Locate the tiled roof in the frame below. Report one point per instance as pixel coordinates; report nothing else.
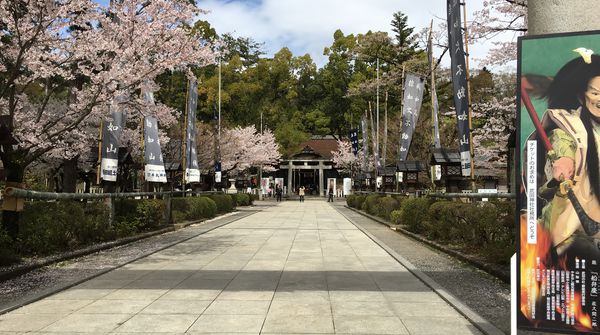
(445, 156)
(410, 166)
(322, 147)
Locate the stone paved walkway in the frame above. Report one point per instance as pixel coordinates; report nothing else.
(295, 268)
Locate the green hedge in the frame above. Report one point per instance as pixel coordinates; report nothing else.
(47, 227)
(224, 202)
(133, 215)
(243, 199)
(414, 213)
(485, 228)
(192, 208)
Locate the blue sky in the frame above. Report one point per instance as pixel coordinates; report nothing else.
(307, 26)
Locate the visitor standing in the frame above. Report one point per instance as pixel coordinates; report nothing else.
(301, 193)
(278, 192)
(330, 193)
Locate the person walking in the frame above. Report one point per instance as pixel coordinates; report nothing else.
(301, 193)
(278, 192)
(330, 193)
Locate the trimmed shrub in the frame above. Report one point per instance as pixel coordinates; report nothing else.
(359, 201)
(48, 227)
(8, 254)
(208, 208)
(243, 199)
(386, 206)
(443, 220)
(133, 216)
(350, 200)
(223, 201)
(234, 199)
(253, 197)
(395, 217)
(192, 208)
(371, 204)
(413, 213)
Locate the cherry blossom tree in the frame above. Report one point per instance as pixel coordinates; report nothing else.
(506, 17)
(490, 140)
(62, 62)
(344, 159)
(241, 148)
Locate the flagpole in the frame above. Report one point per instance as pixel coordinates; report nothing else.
(433, 116)
(385, 129)
(184, 142)
(469, 95)
(100, 153)
(377, 109)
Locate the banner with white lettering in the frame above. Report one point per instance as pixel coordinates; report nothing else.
(413, 95)
(365, 142)
(111, 133)
(154, 170)
(354, 140)
(459, 84)
(192, 171)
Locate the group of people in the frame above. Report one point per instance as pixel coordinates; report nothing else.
(301, 193)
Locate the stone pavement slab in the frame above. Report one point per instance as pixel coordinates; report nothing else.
(294, 268)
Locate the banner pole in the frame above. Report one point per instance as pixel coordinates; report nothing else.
(185, 134)
(100, 153)
(469, 95)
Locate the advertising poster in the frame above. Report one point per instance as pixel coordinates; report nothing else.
(558, 210)
(264, 186)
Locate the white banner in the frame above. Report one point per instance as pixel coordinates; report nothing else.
(109, 168)
(347, 186)
(155, 173)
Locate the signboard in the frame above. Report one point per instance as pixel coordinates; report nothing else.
(264, 186)
(558, 213)
(347, 186)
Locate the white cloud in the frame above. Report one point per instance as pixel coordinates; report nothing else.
(307, 26)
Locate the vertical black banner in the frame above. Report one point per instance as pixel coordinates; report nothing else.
(354, 140)
(413, 95)
(192, 171)
(365, 141)
(111, 133)
(459, 84)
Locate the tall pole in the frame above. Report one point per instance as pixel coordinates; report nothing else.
(385, 129)
(377, 109)
(260, 195)
(219, 129)
(184, 142)
(469, 93)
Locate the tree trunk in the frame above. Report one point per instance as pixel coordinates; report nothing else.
(70, 175)
(14, 178)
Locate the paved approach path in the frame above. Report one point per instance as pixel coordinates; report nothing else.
(295, 268)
